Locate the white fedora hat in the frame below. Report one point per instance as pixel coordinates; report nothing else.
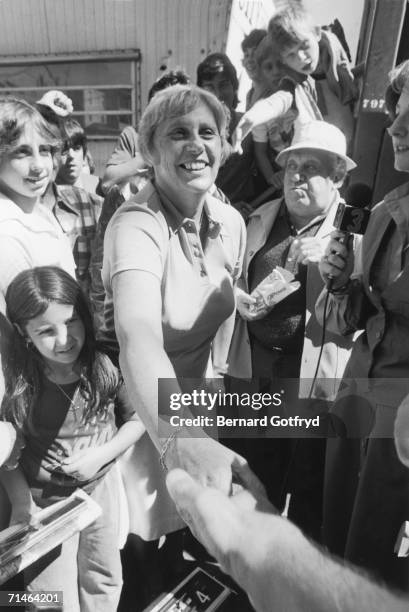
(318, 135)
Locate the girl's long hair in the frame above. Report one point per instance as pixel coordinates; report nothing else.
(27, 297)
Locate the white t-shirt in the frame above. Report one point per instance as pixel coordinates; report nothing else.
(28, 240)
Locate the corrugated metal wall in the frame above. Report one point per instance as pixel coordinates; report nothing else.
(168, 32)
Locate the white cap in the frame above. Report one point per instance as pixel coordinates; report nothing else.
(58, 102)
(321, 136)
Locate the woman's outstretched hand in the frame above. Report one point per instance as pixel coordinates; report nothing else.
(212, 465)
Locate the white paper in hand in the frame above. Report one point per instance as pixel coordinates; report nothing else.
(275, 287)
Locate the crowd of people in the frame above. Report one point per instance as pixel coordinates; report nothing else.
(118, 291)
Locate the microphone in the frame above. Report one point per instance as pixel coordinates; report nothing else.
(352, 216)
(359, 195)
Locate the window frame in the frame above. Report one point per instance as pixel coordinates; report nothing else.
(133, 56)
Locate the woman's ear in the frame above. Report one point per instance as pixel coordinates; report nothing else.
(18, 329)
(23, 335)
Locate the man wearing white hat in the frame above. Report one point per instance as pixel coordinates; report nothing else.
(284, 343)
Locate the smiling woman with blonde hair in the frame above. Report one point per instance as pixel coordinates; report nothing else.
(172, 256)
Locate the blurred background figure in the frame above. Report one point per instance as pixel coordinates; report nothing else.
(126, 168)
(248, 46)
(238, 177)
(76, 166)
(218, 75)
(337, 89)
(76, 210)
(269, 138)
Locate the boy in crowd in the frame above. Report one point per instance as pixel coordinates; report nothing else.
(76, 210)
(74, 169)
(295, 41)
(217, 74)
(238, 177)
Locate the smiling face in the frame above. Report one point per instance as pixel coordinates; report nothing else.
(399, 131)
(302, 56)
(186, 153)
(58, 334)
(309, 187)
(250, 64)
(26, 171)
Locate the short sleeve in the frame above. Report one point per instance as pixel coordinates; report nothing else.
(134, 240)
(124, 411)
(260, 132)
(126, 149)
(270, 108)
(119, 402)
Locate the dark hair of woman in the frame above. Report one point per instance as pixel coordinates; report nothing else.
(28, 296)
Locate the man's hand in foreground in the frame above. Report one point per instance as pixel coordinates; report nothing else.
(270, 558)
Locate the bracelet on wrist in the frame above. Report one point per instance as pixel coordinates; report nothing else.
(165, 449)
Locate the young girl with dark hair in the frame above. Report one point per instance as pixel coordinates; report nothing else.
(61, 393)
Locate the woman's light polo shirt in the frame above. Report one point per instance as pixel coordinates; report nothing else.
(149, 233)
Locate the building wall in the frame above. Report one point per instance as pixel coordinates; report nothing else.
(169, 33)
